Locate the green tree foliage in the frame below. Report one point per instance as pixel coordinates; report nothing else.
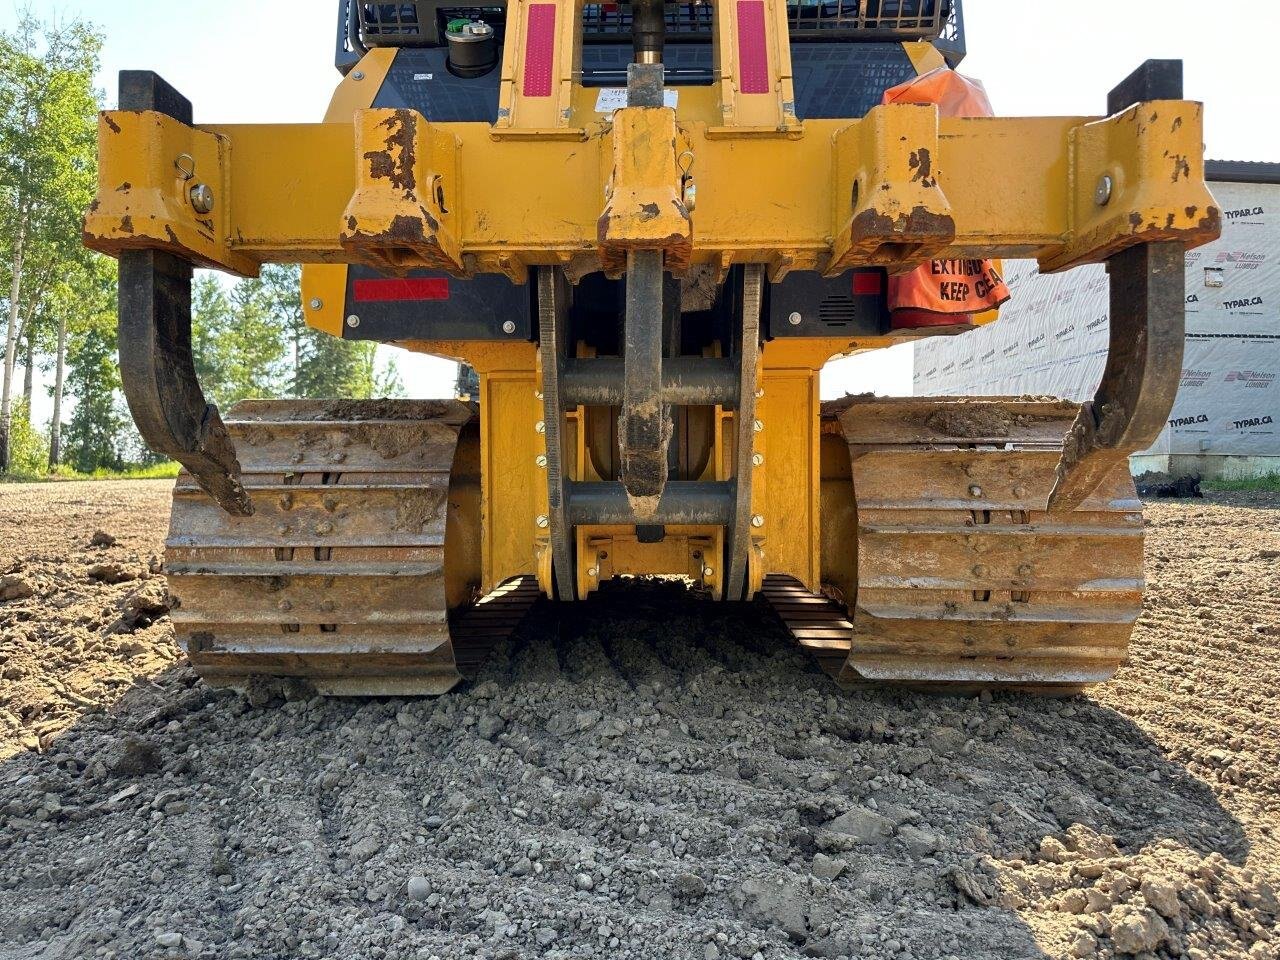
(48, 109)
(28, 446)
(237, 343)
(97, 436)
(252, 341)
(57, 300)
(83, 298)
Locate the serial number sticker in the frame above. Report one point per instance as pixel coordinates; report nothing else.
(615, 98)
(424, 76)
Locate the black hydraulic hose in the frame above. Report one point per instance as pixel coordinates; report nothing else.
(353, 27)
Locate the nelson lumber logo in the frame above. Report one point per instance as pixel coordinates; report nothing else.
(1250, 378)
(1242, 259)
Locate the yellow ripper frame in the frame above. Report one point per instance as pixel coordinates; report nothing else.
(895, 188)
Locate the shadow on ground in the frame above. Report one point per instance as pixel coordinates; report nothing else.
(648, 780)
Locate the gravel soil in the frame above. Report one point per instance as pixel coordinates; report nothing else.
(650, 779)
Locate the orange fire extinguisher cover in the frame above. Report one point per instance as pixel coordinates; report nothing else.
(945, 292)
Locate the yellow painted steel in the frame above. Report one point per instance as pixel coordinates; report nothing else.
(924, 56)
(324, 293)
(644, 209)
(771, 113)
(522, 115)
(401, 215)
(514, 485)
(515, 488)
(785, 491)
(324, 286)
(896, 211)
(606, 552)
(1150, 181)
(360, 86)
(1015, 188)
(148, 166)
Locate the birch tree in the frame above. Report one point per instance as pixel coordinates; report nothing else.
(48, 133)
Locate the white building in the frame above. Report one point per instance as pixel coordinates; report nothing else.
(1051, 339)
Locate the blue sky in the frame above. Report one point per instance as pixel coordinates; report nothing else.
(271, 60)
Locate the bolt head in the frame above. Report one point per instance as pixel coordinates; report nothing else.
(979, 570)
(202, 198)
(316, 303)
(757, 458)
(1019, 492)
(285, 605)
(353, 321)
(757, 521)
(593, 571)
(540, 426)
(324, 528)
(795, 319)
(541, 460)
(1025, 570)
(509, 327)
(707, 572)
(975, 491)
(544, 522)
(357, 75)
(758, 425)
(1102, 192)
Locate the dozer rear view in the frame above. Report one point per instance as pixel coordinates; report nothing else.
(647, 227)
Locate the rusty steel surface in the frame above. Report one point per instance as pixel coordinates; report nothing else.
(340, 575)
(896, 187)
(1144, 366)
(963, 576)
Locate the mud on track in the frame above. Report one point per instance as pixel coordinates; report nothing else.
(645, 781)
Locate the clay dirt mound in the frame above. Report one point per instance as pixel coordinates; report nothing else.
(643, 780)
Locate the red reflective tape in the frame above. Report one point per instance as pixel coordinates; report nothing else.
(867, 284)
(539, 49)
(391, 289)
(753, 51)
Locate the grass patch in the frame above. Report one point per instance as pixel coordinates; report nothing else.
(1269, 482)
(155, 471)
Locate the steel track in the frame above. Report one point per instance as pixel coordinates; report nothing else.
(339, 575)
(964, 578)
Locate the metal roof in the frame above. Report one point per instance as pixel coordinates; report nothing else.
(1241, 171)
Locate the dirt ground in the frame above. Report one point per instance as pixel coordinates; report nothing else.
(647, 783)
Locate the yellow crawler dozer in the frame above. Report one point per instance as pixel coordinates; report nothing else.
(647, 227)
